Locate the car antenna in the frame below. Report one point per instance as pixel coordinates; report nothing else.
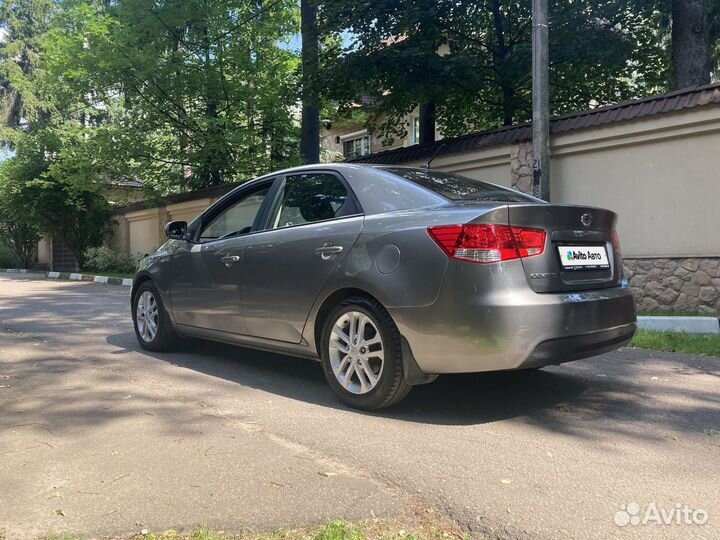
(429, 161)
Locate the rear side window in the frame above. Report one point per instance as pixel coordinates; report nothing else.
(310, 197)
(456, 187)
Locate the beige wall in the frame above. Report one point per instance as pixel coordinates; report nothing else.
(144, 229)
(141, 231)
(44, 252)
(661, 175)
(188, 211)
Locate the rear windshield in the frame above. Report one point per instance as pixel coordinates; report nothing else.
(459, 188)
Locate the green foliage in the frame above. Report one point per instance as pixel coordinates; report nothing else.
(473, 59)
(104, 259)
(714, 17)
(25, 22)
(180, 95)
(7, 257)
(21, 239)
(50, 187)
(183, 94)
(18, 232)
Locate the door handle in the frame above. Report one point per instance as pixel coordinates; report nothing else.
(230, 260)
(328, 250)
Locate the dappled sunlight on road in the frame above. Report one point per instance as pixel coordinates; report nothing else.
(86, 410)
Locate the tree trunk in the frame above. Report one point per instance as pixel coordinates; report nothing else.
(214, 154)
(690, 43)
(500, 54)
(427, 123)
(310, 127)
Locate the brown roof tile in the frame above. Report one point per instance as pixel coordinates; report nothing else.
(621, 112)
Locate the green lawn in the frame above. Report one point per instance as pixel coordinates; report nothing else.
(428, 527)
(681, 342)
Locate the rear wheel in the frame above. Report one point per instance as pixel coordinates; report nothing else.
(153, 328)
(361, 355)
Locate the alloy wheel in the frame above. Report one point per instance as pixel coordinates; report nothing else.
(356, 352)
(147, 316)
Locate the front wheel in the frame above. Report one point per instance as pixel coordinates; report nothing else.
(361, 355)
(153, 328)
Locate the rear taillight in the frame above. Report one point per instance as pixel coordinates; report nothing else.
(484, 243)
(616, 242)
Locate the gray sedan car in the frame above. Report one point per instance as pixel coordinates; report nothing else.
(389, 276)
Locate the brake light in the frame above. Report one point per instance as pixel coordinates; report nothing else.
(484, 243)
(616, 242)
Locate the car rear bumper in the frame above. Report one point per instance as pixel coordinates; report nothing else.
(470, 330)
(567, 349)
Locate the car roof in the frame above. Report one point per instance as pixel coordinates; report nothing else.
(370, 184)
(332, 166)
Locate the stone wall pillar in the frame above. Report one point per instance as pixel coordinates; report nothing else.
(521, 167)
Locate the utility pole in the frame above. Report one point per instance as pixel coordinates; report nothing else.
(310, 123)
(541, 100)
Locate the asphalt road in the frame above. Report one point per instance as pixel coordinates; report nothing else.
(100, 437)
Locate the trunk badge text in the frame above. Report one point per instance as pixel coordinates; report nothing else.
(586, 219)
(543, 275)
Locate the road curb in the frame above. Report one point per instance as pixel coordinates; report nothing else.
(691, 325)
(73, 276)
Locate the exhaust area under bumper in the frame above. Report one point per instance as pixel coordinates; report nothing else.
(566, 349)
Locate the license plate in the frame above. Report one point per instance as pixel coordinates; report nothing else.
(583, 257)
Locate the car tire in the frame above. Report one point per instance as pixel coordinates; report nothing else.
(363, 363)
(153, 328)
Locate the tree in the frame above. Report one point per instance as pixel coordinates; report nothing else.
(49, 186)
(310, 128)
(473, 59)
(16, 230)
(24, 23)
(691, 50)
(201, 92)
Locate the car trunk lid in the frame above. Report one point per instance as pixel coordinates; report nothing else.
(579, 251)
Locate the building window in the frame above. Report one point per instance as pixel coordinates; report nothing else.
(355, 148)
(415, 132)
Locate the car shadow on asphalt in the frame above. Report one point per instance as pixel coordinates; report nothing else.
(451, 400)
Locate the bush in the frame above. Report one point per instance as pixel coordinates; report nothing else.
(104, 259)
(7, 259)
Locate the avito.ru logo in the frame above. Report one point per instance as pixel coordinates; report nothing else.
(632, 514)
(583, 256)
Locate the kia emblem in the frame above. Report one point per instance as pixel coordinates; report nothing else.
(586, 219)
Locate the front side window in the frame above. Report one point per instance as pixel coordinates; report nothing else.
(306, 198)
(237, 219)
(356, 147)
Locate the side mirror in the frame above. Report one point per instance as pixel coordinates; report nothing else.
(176, 230)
